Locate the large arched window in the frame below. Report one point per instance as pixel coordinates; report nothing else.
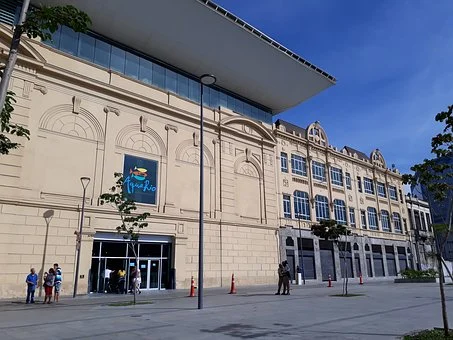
(385, 220)
(372, 218)
(340, 211)
(301, 205)
(322, 208)
(397, 222)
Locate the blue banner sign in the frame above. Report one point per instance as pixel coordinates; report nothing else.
(140, 179)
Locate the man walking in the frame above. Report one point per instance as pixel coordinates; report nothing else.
(32, 282)
(286, 277)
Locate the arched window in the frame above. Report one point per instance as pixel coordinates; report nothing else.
(340, 211)
(322, 208)
(289, 241)
(385, 220)
(397, 222)
(301, 205)
(372, 218)
(356, 246)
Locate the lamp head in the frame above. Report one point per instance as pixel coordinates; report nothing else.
(85, 181)
(208, 79)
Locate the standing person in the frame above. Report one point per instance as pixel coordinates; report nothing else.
(121, 280)
(286, 277)
(138, 280)
(107, 273)
(32, 282)
(132, 280)
(58, 280)
(49, 281)
(280, 278)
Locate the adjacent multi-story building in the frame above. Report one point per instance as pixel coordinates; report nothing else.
(125, 97)
(421, 232)
(317, 181)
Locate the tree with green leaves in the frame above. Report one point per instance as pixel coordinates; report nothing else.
(131, 223)
(38, 22)
(330, 230)
(436, 176)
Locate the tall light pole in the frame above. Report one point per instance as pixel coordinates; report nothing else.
(85, 181)
(205, 79)
(301, 262)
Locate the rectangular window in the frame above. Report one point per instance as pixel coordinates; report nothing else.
(214, 100)
(381, 189)
(146, 71)
(348, 180)
(322, 208)
(194, 91)
(340, 211)
(417, 220)
(372, 218)
(336, 176)
(397, 222)
(368, 185)
(132, 65)
(69, 40)
(319, 171)
(352, 217)
(359, 183)
(385, 220)
(284, 162)
(86, 47)
(428, 221)
(117, 59)
(287, 206)
(223, 100)
(183, 86)
(171, 82)
(301, 205)
(298, 165)
(422, 217)
(102, 53)
(401, 196)
(392, 193)
(363, 219)
(158, 76)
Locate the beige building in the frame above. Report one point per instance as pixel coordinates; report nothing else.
(121, 101)
(318, 181)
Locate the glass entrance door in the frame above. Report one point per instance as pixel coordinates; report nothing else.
(154, 274)
(144, 268)
(150, 273)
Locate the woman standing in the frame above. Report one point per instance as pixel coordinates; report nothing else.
(280, 278)
(49, 281)
(286, 277)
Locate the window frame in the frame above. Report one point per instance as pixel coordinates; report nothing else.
(347, 178)
(287, 206)
(385, 221)
(284, 162)
(351, 212)
(298, 165)
(336, 176)
(339, 208)
(319, 171)
(397, 223)
(359, 184)
(322, 208)
(301, 205)
(391, 190)
(372, 217)
(368, 186)
(381, 190)
(363, 220)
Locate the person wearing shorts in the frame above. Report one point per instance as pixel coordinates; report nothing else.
(58, 280)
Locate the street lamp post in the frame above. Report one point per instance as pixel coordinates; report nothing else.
(301, 262)
(205, 79)
(85, 181)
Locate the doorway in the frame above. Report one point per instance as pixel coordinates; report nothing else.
(151, 273)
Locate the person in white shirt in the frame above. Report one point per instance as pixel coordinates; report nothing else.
(106, 279)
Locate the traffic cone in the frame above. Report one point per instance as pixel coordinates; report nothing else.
(360, 279)
(233, 286)
(329, 282)
(192, 288)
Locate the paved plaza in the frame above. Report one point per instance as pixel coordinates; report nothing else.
(386, 311)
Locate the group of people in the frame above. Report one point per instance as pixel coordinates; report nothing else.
(115, 281)
(284, 277)
(51, 282)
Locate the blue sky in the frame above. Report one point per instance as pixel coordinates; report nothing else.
(393, 60)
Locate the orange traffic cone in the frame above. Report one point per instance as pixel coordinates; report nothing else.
(360, 279)
(192, 288)
(329, 282)
(233, 286)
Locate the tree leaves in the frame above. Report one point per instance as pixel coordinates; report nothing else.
(330, 230)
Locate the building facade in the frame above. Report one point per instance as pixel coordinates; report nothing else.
(95, 106)
(317, 181)
(421, 232)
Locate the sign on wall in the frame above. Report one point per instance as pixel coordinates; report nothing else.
(140, 179)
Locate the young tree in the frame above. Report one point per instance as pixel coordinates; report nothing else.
(330, 230)
(131, 223)
(39, 22)
(437, 176)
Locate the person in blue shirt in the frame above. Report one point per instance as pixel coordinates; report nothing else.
(32, 282)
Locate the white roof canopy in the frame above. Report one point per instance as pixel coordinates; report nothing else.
(199, 37)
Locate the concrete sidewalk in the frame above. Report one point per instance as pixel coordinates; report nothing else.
(385, 311)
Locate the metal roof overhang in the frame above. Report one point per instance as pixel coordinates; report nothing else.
(199, 37)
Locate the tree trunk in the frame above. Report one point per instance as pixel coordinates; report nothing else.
(135, 279)
(442, 295)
